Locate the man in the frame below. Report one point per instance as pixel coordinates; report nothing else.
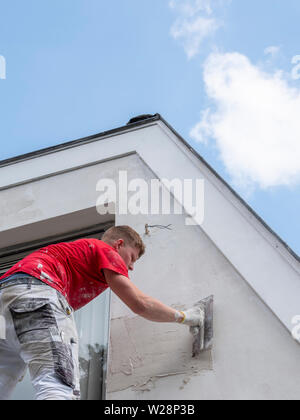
(39, 295)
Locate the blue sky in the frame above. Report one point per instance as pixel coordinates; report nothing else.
(219, 71)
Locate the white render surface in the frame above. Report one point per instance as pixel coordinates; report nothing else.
(254, 356)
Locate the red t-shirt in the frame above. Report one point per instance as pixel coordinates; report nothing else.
(73, 268)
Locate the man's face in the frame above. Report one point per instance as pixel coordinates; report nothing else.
(129, 254)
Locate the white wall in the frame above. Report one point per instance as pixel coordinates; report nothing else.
(254, 356)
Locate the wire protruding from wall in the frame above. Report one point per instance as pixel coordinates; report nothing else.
(148, 227)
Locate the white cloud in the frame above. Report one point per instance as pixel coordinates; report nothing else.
(195, 22)
(272, 51)
(193, 32)
(255, 122)
(191, 7)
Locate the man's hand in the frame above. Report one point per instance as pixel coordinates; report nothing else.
(194, 317)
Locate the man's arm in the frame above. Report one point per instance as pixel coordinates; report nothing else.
(140, 303)
(148, 307)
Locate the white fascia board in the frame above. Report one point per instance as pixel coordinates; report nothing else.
(250, 247)
(72, 157)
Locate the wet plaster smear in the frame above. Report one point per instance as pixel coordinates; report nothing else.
(142, 352)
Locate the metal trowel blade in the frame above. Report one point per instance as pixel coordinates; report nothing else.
(203, 338)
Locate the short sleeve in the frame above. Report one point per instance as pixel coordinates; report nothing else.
(108, 258)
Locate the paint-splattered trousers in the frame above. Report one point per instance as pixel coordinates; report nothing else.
(37, 330)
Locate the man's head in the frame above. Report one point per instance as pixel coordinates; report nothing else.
(127, 242)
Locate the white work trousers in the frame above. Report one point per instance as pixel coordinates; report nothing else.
(37, 330)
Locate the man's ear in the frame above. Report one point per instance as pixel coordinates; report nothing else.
(120, 243)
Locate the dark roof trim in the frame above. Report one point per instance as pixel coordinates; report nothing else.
(137, 124)
(77, 142)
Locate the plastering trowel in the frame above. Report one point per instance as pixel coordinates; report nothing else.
(203, 336)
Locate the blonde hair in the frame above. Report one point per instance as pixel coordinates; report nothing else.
(129, 235)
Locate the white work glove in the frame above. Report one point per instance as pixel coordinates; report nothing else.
(193, 317)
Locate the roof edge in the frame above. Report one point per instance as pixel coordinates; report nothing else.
(56, 148)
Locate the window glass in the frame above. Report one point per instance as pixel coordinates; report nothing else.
(92, 324)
